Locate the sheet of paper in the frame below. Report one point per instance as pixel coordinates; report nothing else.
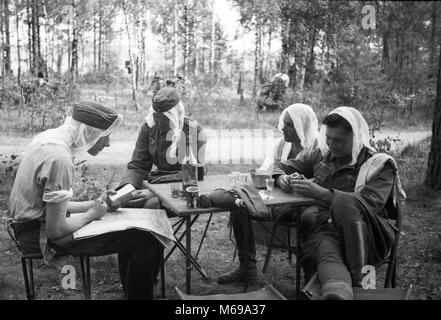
(153, 220)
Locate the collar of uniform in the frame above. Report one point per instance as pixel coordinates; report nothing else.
(362, 157)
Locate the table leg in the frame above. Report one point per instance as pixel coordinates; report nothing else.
(181, 236)
(198, 267)
(203, 236)
(178, 244)
(299, 251)
(188, 255)
(245, 241)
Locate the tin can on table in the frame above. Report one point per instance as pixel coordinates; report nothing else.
(192, 197)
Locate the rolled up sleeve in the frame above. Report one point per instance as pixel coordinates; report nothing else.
(56, 178)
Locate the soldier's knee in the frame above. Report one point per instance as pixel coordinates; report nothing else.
(343, 208)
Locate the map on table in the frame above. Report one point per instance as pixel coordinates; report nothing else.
(151, 220)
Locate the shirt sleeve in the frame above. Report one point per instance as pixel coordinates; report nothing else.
(56, 179)
(142, 161)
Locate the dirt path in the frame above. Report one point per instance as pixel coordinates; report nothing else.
(220, 147)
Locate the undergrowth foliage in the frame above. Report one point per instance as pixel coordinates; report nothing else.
(36, 105)
(8, 171)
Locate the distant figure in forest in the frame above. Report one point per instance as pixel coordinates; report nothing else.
(182, 85)
(157, 83)
(272, 96)
(42, 69)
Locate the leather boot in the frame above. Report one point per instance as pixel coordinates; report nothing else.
(336, 290)
(238, 218)
(356, 249)
(238, 275)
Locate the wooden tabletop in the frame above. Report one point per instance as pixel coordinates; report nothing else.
(210, 183)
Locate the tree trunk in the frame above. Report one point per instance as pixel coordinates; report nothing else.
(186, 36)
(285, 46)
(433, 37)
(256, 59)
(193, 42)
(7, 41)
(213, 41)
(261, 80)
(175, 38)
(94, 43)
(53, 46)
(293, 56)
(269, 60)
(46, 35)
(131, 59)
(2, 63)
(142, 52)
(18, 47)
(309, 72)
(196, 47)
(301, 65)
(433, 176)
(29, 26)
(100, 36)
(74, 56)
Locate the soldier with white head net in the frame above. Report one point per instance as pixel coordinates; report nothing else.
(300, 121)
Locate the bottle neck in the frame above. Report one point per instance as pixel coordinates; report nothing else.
(189, 156)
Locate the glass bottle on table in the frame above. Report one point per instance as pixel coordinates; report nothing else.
(189, 167)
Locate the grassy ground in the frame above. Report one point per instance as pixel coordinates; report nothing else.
(419, 250)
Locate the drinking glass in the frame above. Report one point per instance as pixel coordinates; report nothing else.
(232, 180)
(174, 189)
(269, 185)
(236, 177)
(243, 179)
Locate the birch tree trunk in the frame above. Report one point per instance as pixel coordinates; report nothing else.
(74, 56)
(94, 43)
(7, 41)
(175, 38)
(213, 41)
(18, 45)
(256, 57)
(186, 38)
(131, 59)
(2, 44)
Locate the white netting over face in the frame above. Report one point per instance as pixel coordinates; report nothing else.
(176, 116)
(305, 123)
(76, 136)
(360, 131)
